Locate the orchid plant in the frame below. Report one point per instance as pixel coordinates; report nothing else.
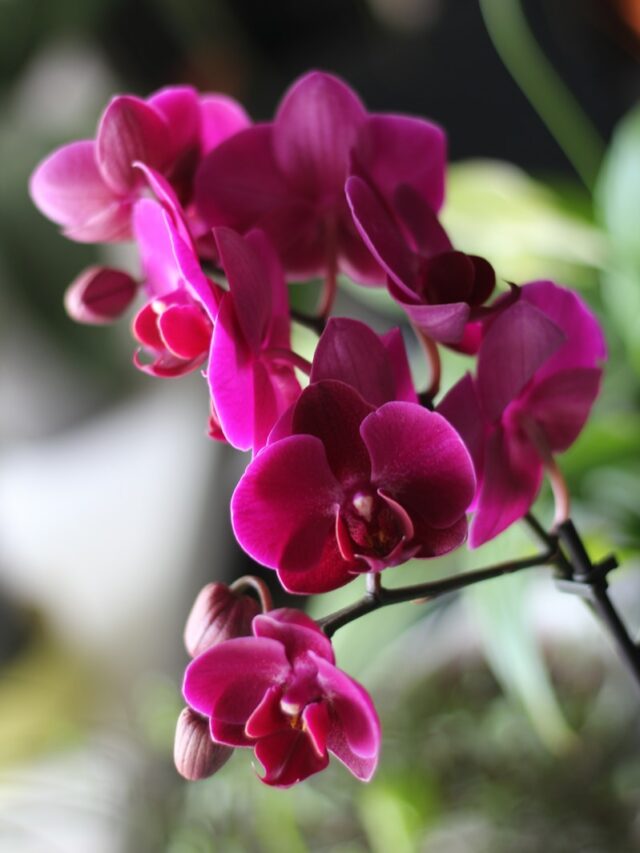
(352, 471)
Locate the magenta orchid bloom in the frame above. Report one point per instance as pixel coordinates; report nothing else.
(176, 324)
(375, 366)
(440, 289)
(280, 693)
(89, 187)
(287, 177)
(538, 376)
(251, 375)
(352, 489)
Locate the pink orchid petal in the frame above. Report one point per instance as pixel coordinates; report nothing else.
(355, 259)
(231, 378)
(180, 108)
(284, 521)
(351, 352)
(68, 188)
(314, 131)
(185, 331)
(239, 182)
(401, 514)
(333, 412)
(288, 757)
(268, 717)
(249, 289)
(420, 461)
(511, 480)
(166, 195)
(517, 344)
(397, 149)
(381, 234)
(560, 404)
(130, 130)
(269, 403)
(165, 365)
(448, 277)
(228, 681)
(438, 541)
(354, 736)
(221, 117)
(585, 345)
(154, 231)
(330, 570)
(145, 327)
(484, 280)
(343, 540)
(297, 632)
(112, 224)
(316, 723)
(100, 295)
(420, 220)
(273, 276)
(169, 263)
(393, 343)
(461, 408)
(444, 323)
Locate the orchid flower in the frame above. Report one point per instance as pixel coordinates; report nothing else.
(280, 693)
(352, 489)
(440, 289)
(89, 187)
(251, 375)
(287, 177)
(539, 372)
(176, 323)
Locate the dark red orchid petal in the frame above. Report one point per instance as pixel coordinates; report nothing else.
(100, 295)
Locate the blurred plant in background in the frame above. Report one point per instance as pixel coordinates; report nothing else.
(522, 729)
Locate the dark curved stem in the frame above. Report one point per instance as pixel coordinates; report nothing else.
(378, 596)
(316, 324)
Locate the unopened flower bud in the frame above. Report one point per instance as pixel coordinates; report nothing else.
(218, 614)
(195, 754)
(99, 295)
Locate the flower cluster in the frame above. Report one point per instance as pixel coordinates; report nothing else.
(351, 471)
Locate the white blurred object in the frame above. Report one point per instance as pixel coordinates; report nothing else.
(99, 526)
(64, 85)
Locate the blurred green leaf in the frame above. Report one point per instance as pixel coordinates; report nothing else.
(618, 189)
(389, 820)
(496, 210)
(510, 643)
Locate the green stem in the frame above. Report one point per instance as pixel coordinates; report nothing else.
(544, 88)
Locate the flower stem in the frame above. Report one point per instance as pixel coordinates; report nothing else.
(316, 324)
(544, 88)
(288, 356)
(378, 596)
(258, 586)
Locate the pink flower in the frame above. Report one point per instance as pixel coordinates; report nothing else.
(89, 187)
(176, 324)
(440, 289)
(250, 373)
(287, 177)
(280, 693)
(537, 379)
(375, 366)
(347, 488)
